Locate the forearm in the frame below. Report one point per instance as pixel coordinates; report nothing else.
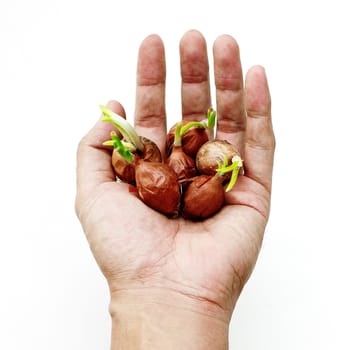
(147, 323)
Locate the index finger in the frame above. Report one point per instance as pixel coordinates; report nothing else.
(150, 115)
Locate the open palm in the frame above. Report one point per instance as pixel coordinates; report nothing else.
(140, 249)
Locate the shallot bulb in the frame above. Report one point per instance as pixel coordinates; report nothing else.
(192, 140)
(151, 152)
(213, 153)
(157, 187)
(182, 164)
(124, 170)
(175, 185)
(204, 197)
(128, 148)
(193, 133)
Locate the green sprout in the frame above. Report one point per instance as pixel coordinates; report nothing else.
(178, 135)
(128, 132)
(211, 117)
(224, 168)
(207, 124)
(122, 147)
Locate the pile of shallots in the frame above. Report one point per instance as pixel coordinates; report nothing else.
(191, 182)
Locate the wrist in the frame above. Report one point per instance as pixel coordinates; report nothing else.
(157, 320)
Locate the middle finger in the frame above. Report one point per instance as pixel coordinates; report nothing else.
(195, 87)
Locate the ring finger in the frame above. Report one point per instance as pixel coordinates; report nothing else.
(231, 123)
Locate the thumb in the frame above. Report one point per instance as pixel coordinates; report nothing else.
(93, 159)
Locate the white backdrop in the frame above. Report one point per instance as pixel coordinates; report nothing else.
(60, 59)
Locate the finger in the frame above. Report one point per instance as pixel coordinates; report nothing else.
(195, 87)
(231, 120)
(260, 140)
(93, 159)
(150, 119)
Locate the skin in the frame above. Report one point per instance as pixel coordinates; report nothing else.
(174, 283)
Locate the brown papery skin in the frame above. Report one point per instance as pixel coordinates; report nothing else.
(151, 152)
(211, 154)
(183, 165)
(124, 170)
(191, 141)
(204, 197)
(157, 186)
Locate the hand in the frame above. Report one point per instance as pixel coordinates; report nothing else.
(153, 263)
